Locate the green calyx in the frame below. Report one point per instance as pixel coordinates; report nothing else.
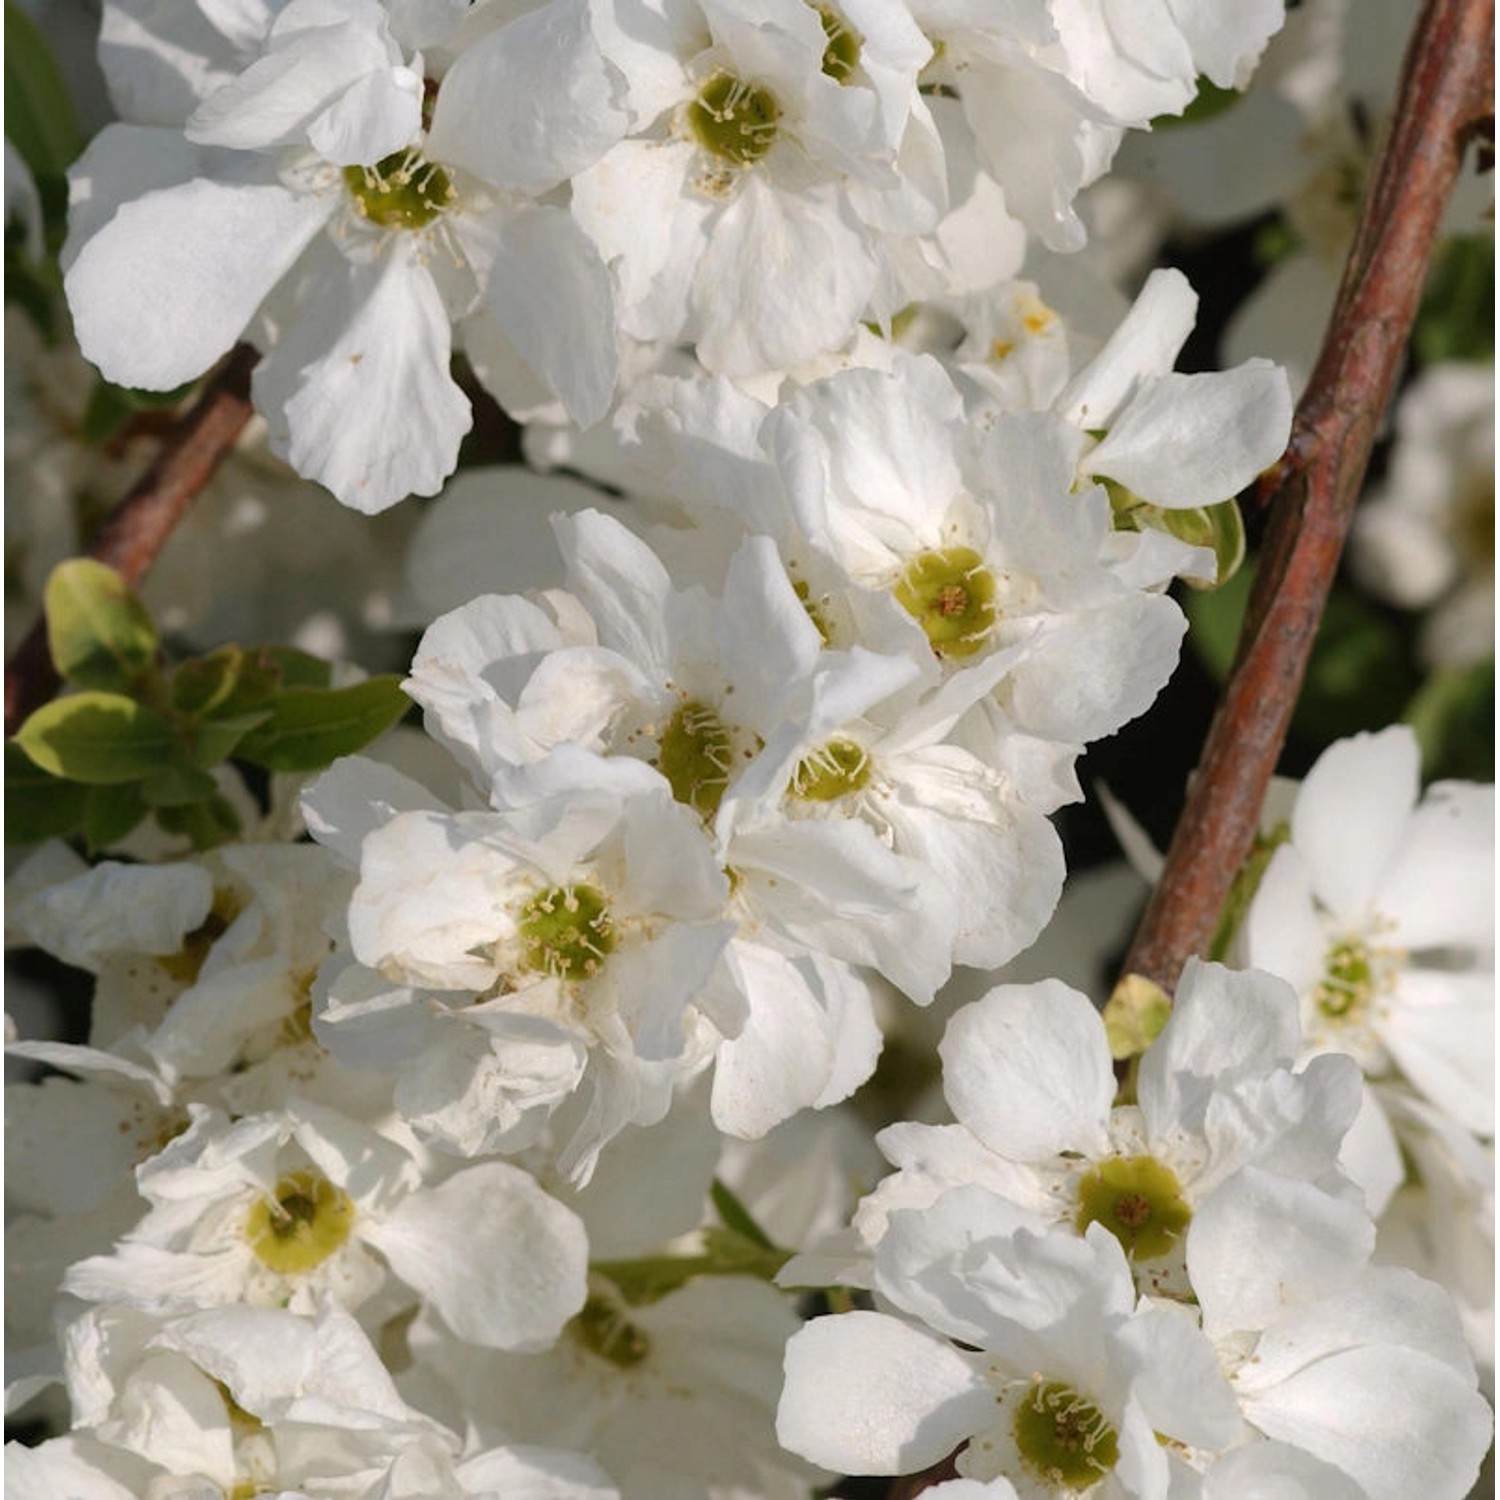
(832, 771)
(695, 753)
(734, 120)
(841, 55)
(306, 1220)
(401, 191)
(1219, 527)
(951, 595)
(1138, 1200)
(1063, 1437)
(567, 932)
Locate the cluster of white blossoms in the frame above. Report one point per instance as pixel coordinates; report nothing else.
(348, 182)
(477, 1123)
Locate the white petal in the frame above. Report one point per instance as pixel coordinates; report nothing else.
(1146, 343)
(1351, 816)
(357, 392)
(171, 281)
(1028, 1070)
(544, 93)
(1439, 889)
(1187, 440)
(1224, 1025)
(376, 117)
(1306, 1245)
(784, 276)
(551, 296)
(868, 1394)
(505, 1264)
(1442, 1034)
(1400, 1423)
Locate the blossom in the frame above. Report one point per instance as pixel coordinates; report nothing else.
(1379, 910)
(295, 201)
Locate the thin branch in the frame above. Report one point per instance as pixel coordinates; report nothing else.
(138, 527)
(1446, 94)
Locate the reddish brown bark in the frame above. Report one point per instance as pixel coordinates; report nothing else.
(1446, 95)
(138, 527)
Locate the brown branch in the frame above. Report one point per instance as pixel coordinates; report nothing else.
(136, 530)
(1445, 96)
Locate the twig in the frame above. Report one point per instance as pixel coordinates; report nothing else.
(138, 527)
(1445, 95)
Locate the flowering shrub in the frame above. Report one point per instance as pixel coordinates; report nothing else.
(592, 986)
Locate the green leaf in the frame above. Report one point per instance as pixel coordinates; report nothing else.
(98, 632)
(299, 668)
(216, 739)
(200, 685)
(737, 1217)
(38, 806)
(206, 823)
(177, 786)
(310, 728)
(39, 119)
(112, 812)
(101, 739)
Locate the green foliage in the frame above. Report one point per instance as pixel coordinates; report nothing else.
(309, 728)
(1453, 714)
(1361, 673)
(39, 120)
(97, 738)
(1457, 316)
(141, 738)
(97, 631)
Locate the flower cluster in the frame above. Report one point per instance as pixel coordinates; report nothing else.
(487, 1112)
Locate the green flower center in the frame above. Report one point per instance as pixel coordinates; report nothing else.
(841, 55)
(734, 120)
(299, 1228)
(951, 595)
(401, 191)
(603, 1329)
(830, 772)
(1348, 983)
(1063, 1437)
(695, 753)
(1138, 1200)
(567, 931)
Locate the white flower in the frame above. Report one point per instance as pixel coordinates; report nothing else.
(297, 202)
(580, 928)
(772, 150)
(1424, 538)
(1380, 912)
(1028, 1073)
(674, 1397)
(280, 1210)
(1066, 1386)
